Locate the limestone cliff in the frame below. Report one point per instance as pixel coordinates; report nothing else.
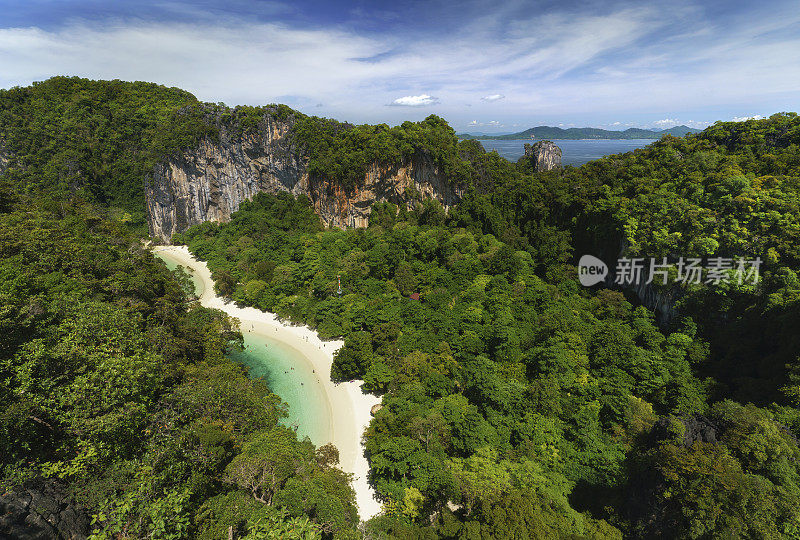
(3, 159)
(544, 155)
(661, 301)
(209, 182)
(417, 179)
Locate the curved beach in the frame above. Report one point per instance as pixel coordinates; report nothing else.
(348, 409)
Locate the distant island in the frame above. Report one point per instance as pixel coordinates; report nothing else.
(549, 132)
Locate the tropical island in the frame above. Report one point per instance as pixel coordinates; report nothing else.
(514, 402)
(557, 133)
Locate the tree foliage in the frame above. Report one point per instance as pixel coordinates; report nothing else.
(516, 404)
(116, 383)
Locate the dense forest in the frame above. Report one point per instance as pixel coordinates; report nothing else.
(117, 393)
(507, 385)
(516, 403)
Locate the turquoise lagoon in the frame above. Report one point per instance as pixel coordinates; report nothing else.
(286, 371)
(289, 374)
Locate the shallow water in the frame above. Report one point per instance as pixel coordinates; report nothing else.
(199, 288)
(287, 373)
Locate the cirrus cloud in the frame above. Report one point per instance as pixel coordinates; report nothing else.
(490, 123)
(493, 97)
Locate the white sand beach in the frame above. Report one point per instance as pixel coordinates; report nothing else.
(349, 407)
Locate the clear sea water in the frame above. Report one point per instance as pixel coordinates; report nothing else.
(288, 374)
(573, 152)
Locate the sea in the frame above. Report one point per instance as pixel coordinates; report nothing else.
(573, 152)
(288, 374)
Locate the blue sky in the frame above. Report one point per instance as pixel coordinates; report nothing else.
(496, 66)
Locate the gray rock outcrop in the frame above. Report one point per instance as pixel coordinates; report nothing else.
(210, 182)
(41, 511)
(3, 159)
(544, 155)
(661, 300)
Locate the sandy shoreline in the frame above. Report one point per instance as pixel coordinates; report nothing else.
(349, 407)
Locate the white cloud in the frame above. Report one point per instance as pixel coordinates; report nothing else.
(699, 124)
(219, 62)
(746, 118)
(547, 66)
(415, 101)
(667, 123)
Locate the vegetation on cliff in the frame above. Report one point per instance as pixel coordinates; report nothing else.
(344, 152)
(112, 383)
(506, 385)
(101, 138)
(516, 402)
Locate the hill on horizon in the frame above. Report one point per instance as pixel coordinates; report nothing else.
(550, 132)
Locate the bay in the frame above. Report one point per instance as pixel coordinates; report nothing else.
(286, 371)
(573, 152)
(289, 375)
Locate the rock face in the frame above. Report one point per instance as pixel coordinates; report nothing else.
(544, 155)
(417, 179)
(662, 301)
(211, 181)
(41, 511)
(3, 159)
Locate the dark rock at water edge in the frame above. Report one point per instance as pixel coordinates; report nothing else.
(41, 510)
